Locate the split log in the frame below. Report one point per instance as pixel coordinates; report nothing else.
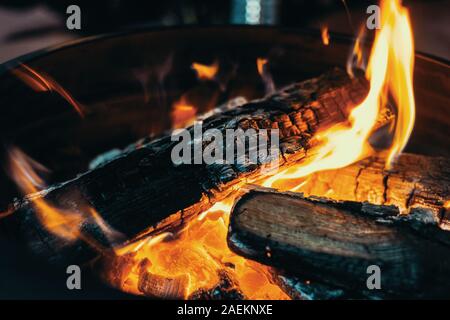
(299, 287)
(413, 181)
(143, 190)
(335, 242)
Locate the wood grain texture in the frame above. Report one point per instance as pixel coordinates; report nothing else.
(413, 181)
(334, 242)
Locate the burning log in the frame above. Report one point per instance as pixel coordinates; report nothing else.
(336, 242)
(226, 289)
(413, 181)
(142, 190)
(162, 287)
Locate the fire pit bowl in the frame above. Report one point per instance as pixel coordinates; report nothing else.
(127, 84)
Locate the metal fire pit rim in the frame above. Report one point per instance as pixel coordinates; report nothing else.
(34, 55)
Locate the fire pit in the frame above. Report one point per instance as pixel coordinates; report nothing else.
(150, 228)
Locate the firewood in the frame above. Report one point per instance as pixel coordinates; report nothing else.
(335, 242)
(143, 190)
(162, 287)
(413, 181)
(299, 287)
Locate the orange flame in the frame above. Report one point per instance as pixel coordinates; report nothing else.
(261, 65)
(205, 72)
(183, 113)
(6, 213)
(356, 59)
(200, 251)
(401, 67)
(63, 223)
(24, 172)
(325, 36)
(42, 82)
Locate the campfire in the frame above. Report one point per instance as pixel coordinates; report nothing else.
(337, 196)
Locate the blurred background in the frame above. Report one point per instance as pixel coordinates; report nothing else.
(28, 25)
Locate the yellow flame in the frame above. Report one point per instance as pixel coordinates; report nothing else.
(400, 76)
(356, 58)
(325, 36)
(342, 145)
(390, 66)
(205, 72)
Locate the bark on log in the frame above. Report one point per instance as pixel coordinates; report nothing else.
(334, 242)
(142, 190)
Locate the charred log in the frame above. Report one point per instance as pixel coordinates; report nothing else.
(335, 242)
(142, 190)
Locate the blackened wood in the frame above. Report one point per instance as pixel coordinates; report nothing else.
(303, 288)
(334, 242)
(142, 190)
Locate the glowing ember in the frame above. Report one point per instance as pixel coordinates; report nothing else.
(400, 72)
(325, 36)
(205, 72)
(200, 252)
(23, 169)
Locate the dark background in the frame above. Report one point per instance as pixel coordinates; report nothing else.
(26, 26)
